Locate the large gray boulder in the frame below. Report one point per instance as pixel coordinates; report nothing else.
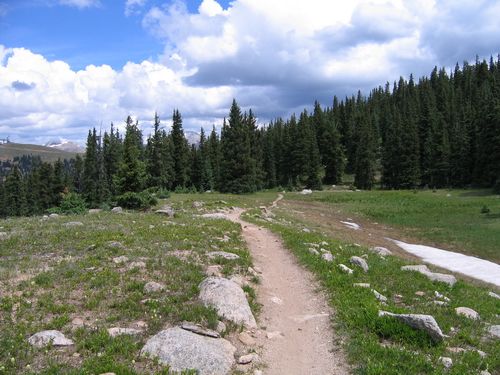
(184, 350)
(228, 299)
(52, 337)
(423, 322)
(434, 276)
(360, 262)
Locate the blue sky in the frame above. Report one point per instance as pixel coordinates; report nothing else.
(68, 65)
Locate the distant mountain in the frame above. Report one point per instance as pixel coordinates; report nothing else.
(65, 145)
(11, 150)
(193, 138)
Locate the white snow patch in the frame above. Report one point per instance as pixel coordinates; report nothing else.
(352, 225)
(471, 266)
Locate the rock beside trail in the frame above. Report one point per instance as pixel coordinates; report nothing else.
(422, 322)
(223, 254)
(184, 350)
(228, 299)
(423, 269)
(43, 338)
(216, 215)
(360, 262)
(345, 268)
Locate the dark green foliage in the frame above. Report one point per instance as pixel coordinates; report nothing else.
(136, 201)
(15, 194)
(71, 203)
(180, 151)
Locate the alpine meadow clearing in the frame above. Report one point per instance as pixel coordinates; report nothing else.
(89, 276)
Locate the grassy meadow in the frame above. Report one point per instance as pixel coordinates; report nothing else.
(69, 278)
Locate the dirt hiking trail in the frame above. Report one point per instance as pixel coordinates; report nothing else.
(296, 335)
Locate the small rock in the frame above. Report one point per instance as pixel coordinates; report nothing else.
(306, 191)
(120, 259)
(245, 359)
(136, 265)
(95, 211)
(420, 293)
(469, 313)
(199, 329)
(53, 215)
(495, 331)
(305, 230)
(217, 215)
(327, 256)
(379, 296)
(434, 276)
(360, 262)
(197, 204)
(73, 224)
(246, 339)
(418, 321)
(117, 210)
(313, 251)
(363, 285)
(494, 295)
(169, 213)
(439, 295)
(43, 338)
(152, 287)
(447, 362)
(222, 254)
(345, 268)
(274, 335)
(115, 245)
(382, 251)
(77, 322)
(440, 303)
(116, 331)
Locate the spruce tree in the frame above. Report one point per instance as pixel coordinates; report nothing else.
(158, 158)
(112, 146)
(15, 194)
(180, 151)
(130, 176)
(365, 162)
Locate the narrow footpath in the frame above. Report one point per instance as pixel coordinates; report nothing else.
(296, 336)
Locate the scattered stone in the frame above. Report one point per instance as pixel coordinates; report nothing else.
(217, 215)
(197, 204)
(305, 230)
(120, 259)
(221, 327)
(447, 362)
(228, 299)
(313, 251)
(422, 322)
(77, 322)
(169, 213)
(114, 245)
(238, 279)
(73, 224)
(199, 329)
(140, 325)
(136, 265)
(221, 201)
(345, 268)
(214, 271)
(53, 215)
(382, 251)
(327, 256)
(306, 191)
(495, 331)
(95, 211)
(184, 350)
(469, 313)
(274, 335)
(494, 295)
(423, 269)
(440, 303)
(3, 234)
(116, 331)
(360, 262)
(246, 339)
(420, 293)
(379, 296)
(439, 295)
(245, 359)
(276, 300)
(222, 254)
(152, 287)
(117, 210)
(43, 338)
(362, 285)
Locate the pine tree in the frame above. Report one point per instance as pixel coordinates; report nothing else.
(92, 180)
(131, 175)
(112, 147)
(15, 194)
(180, 152)
(365, 165)
(158, 158)
(214, 157)
(239, 163)
(77, 178)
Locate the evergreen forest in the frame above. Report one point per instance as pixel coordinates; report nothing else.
(442, 131)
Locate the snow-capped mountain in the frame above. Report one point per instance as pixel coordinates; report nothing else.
(65, 145)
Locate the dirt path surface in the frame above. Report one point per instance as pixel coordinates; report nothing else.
(298, 338)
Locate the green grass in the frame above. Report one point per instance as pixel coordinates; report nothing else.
(451, 218)
(382, 345)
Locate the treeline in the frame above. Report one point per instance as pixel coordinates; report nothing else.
(442, 131)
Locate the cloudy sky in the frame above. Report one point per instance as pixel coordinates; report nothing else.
(67, 66)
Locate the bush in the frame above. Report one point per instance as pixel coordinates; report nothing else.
(72, 203)
(137, 201)
(163, 194)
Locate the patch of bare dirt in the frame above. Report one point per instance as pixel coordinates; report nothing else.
(296, 333)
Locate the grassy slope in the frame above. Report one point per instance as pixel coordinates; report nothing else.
(49, 154)
(51, 274)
